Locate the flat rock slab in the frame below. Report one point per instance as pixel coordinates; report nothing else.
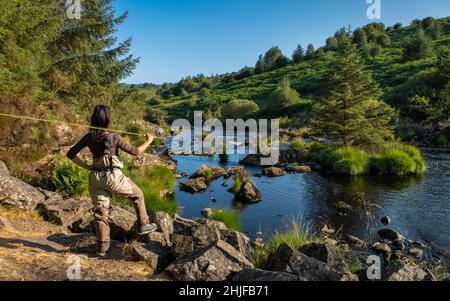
(65, 212)
(213, 263)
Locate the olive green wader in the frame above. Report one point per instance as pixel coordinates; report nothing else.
(107, 178)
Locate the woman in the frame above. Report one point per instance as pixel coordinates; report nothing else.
(106, 177)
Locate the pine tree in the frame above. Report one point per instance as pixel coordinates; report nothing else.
(418, 47)
(310, 51)
(86, 51)
(298, 54)
(351, 113)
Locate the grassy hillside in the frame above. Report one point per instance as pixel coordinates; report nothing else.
(389, 69)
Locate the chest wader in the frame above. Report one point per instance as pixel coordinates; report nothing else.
(106, 178)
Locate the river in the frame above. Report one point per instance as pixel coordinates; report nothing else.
(419, 207)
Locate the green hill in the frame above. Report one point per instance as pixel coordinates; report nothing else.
(403, 80)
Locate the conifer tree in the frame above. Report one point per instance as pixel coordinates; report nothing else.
(351, 113)
(298, 54)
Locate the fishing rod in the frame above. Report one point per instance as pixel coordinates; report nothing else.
(159, 132)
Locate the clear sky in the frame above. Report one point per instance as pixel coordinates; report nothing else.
(177, 38)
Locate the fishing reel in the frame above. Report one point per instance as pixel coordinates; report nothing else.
(159, 133)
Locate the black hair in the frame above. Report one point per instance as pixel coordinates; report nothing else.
(101, 118)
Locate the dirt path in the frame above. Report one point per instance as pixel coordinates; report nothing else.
(32, 249)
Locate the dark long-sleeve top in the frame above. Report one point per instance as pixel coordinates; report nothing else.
(102, 144)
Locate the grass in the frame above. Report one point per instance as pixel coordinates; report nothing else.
(295, 236)
(238, 182)
(69, 179)
(205, 172)
(230, 218)
(394, 159)
(152, 181)
(297, 144)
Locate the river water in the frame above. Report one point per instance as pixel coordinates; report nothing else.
(419, 207)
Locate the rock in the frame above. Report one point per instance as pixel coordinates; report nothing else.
(326, 254)
(355, 242)
(273, 172)
(194, 185)
(165, 225)
(210, 223)
(386, 220)
(159, 238)
(121, 222)
(405, 272)
(203, 235)
(299, 169)
(206, 212)
(324, 228)
(398, 245)
(17, 193)
(418, 244)
(216, 262)
(150, 160)
(182, 245)
(240, 242)
(156, 256)
(261, 275)
(344, 206)
(390, 234)
(415, 252)
(183, 226)
(251, 160)
(382, 248)
(289, 260)
(65, 212)
(4, 222)
(249, 193)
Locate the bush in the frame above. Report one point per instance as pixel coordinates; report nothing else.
(239, 108)
(350, 161)
(69, 179)
(399, 160)
(231, 219)
(297, 144)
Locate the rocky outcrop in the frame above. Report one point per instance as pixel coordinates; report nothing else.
(156, 256)
(165, 225)
(215, 262)
(16, 193)
(289, 260)
(240, 242)
(405, 272)
(273, 172)
(390, 234)
(64, 212)
(261, 275)
(298, 169)
(194, 185)
(326, 254)
(248, 193)
(355, 242)
(150, 160)
(251, 160)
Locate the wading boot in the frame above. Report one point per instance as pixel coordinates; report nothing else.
(147, 229)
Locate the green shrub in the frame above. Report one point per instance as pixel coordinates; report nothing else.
(238, 182)
(157, 142)
(393, 161)
(297, 144)
(69, 179)
(231, 219)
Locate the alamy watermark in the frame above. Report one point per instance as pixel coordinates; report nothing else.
(237, 137)
(73, 272)
(374, 10)
(73, 9)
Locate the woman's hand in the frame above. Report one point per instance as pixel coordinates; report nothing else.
(148, 140)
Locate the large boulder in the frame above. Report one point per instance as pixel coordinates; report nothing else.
(248, 193)
(17, 193)
(65, 212)
(240, 242)
(289, 260)
(273, 172)
(325, 253)
(251, 160)
(215, 262)
(156, 256)
(194, 185)
(248, 274)
(181, 245)
(405, 271)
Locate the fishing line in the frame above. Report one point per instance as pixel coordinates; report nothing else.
(72, 124)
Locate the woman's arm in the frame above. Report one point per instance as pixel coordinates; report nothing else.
(147, 143)
(72, 154)
(81, 163)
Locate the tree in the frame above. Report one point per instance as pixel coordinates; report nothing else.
(351, 112)
(418, 47)
(310, 52)
(88, 52)
(282, 99)
(360, 37)
(239, 108)
(260, 66)
(298, 54)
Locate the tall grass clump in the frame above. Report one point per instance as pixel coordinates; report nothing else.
(238, 182)
(231, 219)
(399, 159)
(295, 236)
(152, 181)
(69, 179)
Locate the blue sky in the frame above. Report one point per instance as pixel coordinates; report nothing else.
(177, 38)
